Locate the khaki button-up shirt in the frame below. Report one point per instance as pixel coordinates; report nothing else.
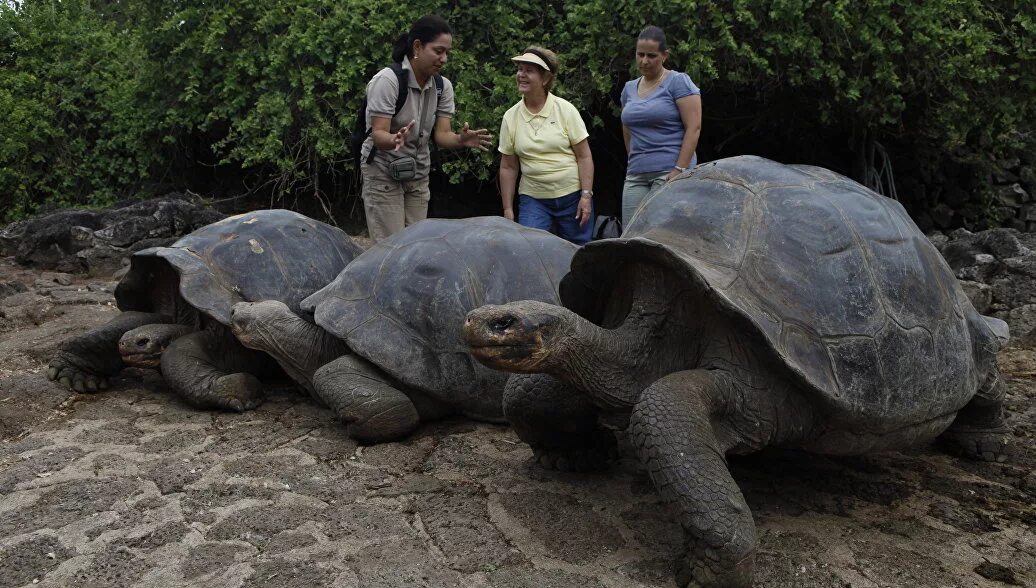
(421, 106)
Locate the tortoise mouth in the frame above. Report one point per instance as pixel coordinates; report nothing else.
(142, 360)
(506, 356)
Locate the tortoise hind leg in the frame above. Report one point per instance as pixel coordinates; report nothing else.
(674, 430)
(213, 371)
(980, 432)
(84, 363)
(368, 402)
(558, 423)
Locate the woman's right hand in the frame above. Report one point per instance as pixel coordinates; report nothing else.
(509, 214)
(400, 137)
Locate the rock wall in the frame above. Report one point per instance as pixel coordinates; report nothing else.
(971, 196)
(997, 269)
(97, 241)
(1014, 195)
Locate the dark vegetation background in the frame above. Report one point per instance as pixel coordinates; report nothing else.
(251, 102)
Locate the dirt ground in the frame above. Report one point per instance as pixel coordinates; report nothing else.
(133, 488)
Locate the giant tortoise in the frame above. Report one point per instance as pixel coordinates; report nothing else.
(382, 345)
(749, 304)
(176, 304)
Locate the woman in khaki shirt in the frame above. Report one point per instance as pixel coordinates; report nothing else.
(395, 179)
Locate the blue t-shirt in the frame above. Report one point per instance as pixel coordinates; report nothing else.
(656, 130)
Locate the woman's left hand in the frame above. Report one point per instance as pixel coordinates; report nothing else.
(476, 139)
(584, 210)
(672, 174)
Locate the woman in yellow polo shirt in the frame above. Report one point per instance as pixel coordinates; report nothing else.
(544, 137)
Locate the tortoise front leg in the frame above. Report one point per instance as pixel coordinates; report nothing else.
(213, 371)
(559, 423)
(366, 400)
(980, 430)
(674, 429)
(84, 363)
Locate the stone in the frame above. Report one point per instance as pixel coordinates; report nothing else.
(11, 287)
(1002, 243)
(1027, 177)
(104, 260)
(1025, 265)
(981, 295)
(1027, 212)
(1012, 195)
(1004, 176)
(56, 240)
(1016, 224)
(938, 239)
(1021, 320)
(53, 278)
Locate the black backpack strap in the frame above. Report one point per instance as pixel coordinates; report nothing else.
(403, 85)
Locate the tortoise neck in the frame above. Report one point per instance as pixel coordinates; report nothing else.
(651, 329)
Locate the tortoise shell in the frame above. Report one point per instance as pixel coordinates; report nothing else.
(833, 278)
(401, 305)
(260, 255)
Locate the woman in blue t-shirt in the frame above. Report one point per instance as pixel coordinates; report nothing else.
(661, 121)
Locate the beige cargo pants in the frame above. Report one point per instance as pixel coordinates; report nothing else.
(391, 205)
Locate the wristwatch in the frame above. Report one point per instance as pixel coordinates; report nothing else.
(589, 193)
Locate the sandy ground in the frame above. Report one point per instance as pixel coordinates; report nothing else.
(133, 488)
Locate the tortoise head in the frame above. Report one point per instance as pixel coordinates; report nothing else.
(143, 347)
(520, 337)
(255, 324)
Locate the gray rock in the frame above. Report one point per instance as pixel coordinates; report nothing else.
(1021, 320)
(1017, 224)
(1011, 195)
(104, 260)
(18, 299)
(938, 239)
(61, 279)
(11, 287)
(79, 296)
(1027, 212)
(981, 269)
(53, 241)
(981, 295)
(1024, 265)
(1002, 243)
(1004, 176)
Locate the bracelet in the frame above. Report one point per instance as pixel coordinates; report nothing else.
(680, 169)
(589, 193)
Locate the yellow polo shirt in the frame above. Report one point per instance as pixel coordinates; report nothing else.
(543, 143)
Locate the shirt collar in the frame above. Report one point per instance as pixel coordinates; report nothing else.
(544, 112)
(413, 78)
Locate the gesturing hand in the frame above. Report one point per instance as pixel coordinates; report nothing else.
(476, 139)
(400, 137)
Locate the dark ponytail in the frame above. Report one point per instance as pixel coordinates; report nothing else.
(425, 29)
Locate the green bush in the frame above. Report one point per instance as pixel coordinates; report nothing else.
(72, 123)
(97, 99)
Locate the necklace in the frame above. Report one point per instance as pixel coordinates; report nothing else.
(645, 87)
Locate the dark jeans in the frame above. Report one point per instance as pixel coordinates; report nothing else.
(557, 215)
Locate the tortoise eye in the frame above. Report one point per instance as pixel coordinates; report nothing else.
(502, 324)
